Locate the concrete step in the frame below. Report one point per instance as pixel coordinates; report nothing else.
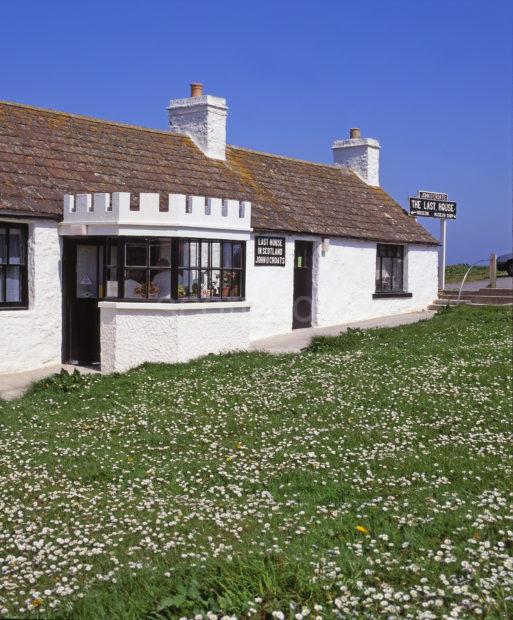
(477, 299)
(440, 303)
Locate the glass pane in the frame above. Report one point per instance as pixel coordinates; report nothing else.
(205, 288)
(194, 253)
(112, 257)
(237, 254)
(183, 253)
(381, 249)
(204, 254)
(135, 283)
(2, 292)
(135, 255)
(187, 283)
(15, 246)
(386, 274)
(215, 283)
(3, 245)
(160, 254)
(397, 269)
(13, 284)
(87, 272)
(378, 273)
(111, 289)
(216, 254)
(231, 284)
(160, 284)
(227, 254)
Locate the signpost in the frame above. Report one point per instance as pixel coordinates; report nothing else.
(438, 205)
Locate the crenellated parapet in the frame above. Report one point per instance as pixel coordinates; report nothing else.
(152, 214)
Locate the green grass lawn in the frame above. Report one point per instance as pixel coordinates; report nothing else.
(455, 273)
(369, 476)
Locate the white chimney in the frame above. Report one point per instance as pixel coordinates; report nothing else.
(203, 119)
(359, 154)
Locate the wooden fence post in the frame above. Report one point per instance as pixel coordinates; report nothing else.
(493, 271)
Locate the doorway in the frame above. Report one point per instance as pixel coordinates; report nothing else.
(83, 269)
(302, 308)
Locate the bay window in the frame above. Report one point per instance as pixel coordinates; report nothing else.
(13, 266)
(174, 269)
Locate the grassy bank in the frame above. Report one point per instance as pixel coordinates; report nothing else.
(455, 273)
(370, 476)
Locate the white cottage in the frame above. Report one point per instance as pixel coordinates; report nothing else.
(121, 244)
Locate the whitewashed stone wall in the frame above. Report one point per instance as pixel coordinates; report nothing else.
(346, 282)
(30, 339)
(269, 290)
(135, 333)
(343, 282)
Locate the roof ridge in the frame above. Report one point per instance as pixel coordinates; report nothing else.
(288, 157)
(94, 119)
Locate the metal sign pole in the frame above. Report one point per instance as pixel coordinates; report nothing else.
(441, 259)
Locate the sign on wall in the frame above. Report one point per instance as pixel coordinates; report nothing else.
(270, 251)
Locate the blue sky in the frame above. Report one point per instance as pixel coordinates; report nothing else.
(431, 79)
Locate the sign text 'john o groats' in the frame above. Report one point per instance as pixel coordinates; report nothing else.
(270, 251)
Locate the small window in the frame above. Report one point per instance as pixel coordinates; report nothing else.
(389, 268)
(13, 266)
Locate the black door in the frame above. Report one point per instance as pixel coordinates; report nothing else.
(83, 262)
(302, 310)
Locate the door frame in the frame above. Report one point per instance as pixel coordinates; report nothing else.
(69, 258)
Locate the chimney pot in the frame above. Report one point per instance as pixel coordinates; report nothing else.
(354, 133)
(196, 89)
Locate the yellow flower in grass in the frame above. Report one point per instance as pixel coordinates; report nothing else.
(229, 459)
(37, 602)
(362, 529)
(238, 445)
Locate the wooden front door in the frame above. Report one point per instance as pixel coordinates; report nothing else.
(302, 308)
(83, 267)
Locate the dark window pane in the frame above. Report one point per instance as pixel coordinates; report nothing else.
(136, 255)
(216, 254)
(397, 272)
(183, 253)
(227, 255)
(160, 253)
(13, 284)
(112, 254)
(381, 250)
(235, 284)
(3, 245)
(135, 284)
(386, 274)
(205, 262)
(237, 254)
(160, 284)
(2, 292)
(15, 246)
(188, 284)
(378, 273)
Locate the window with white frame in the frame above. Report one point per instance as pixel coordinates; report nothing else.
(13, 266)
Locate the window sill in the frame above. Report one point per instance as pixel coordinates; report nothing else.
(387, 294)
(15, 308)
(174, 306)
